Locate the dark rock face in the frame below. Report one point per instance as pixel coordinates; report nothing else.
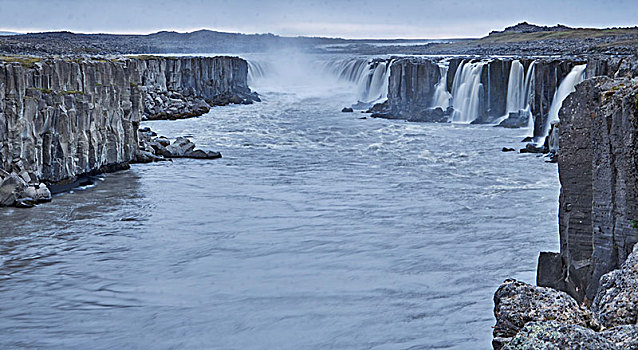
(599, 199)
(575, 172)
(517, 303)
(65, 118)
(412, 85)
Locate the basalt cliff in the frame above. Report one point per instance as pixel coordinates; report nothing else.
(586, 296)
(65, 118)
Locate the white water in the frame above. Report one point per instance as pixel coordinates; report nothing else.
(466, 92)
(370, 77)
(441, 95)
(519, 90)
(516, 89)
(567, 86)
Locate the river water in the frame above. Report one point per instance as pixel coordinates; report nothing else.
(317, 230)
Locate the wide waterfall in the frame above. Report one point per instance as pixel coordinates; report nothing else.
(441, 95)
(566, 87)
(370, 77)
(467, 91)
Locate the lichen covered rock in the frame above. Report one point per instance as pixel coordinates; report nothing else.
(616, 302)
(553, 335)
(518, 303)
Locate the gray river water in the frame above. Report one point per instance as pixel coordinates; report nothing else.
(317, 230)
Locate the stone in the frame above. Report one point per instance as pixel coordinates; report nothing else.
(546, 335)
(616, 302)
(347, 110)
(517, 303)
(518, 119)
(42, 194)
(507, 149)
(179, 148)
(25, 203)
(10, 189)
(199, 154)
(624, 337)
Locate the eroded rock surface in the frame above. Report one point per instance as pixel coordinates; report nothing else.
(517, 303)
(65, 118)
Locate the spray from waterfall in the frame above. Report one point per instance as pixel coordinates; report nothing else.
(371, 78)
(467, 91)
(566, 87)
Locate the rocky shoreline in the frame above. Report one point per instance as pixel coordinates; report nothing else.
(63, 119)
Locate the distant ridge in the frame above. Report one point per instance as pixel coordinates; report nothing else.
(525, 27)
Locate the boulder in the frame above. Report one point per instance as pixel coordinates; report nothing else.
(347, 110)
(616, 302)
(179, 148)
(555, 335)
(199, 154)
(517, 303)
(518, 119)
(10, 189)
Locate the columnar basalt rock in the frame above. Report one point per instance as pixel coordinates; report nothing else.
(64, 118)
(599, 201)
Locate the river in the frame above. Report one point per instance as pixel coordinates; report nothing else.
(317, 230)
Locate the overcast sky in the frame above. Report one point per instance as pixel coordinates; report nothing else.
(342, 18)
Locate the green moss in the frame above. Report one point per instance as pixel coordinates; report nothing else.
(44, 91)
(72, 92)
(25, 61)
(133, 84)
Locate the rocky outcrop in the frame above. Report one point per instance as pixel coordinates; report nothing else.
(530, 317)
(65, 118)
(154, 148)
(411, 88)
(599, 200)
(517, 303)
(617, 300)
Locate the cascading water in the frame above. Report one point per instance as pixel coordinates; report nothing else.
(466, 92)
(441, 95)
(566, 87)
(256, 71)
(516, 88)
(371, 77)
(519, 90)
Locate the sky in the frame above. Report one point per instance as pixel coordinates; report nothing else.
(342, 18)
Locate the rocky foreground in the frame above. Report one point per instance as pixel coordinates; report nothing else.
(64, 119)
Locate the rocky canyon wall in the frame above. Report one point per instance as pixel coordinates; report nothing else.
(599, 177)
(63, 118)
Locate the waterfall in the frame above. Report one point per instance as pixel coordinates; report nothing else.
(466, 92)
(371, 78)
(441, 95)
(256, 71)
(529, 87)
(516, 88)
(566, 87)
(519, 90)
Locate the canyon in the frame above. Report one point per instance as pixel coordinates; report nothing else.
(65, 118)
